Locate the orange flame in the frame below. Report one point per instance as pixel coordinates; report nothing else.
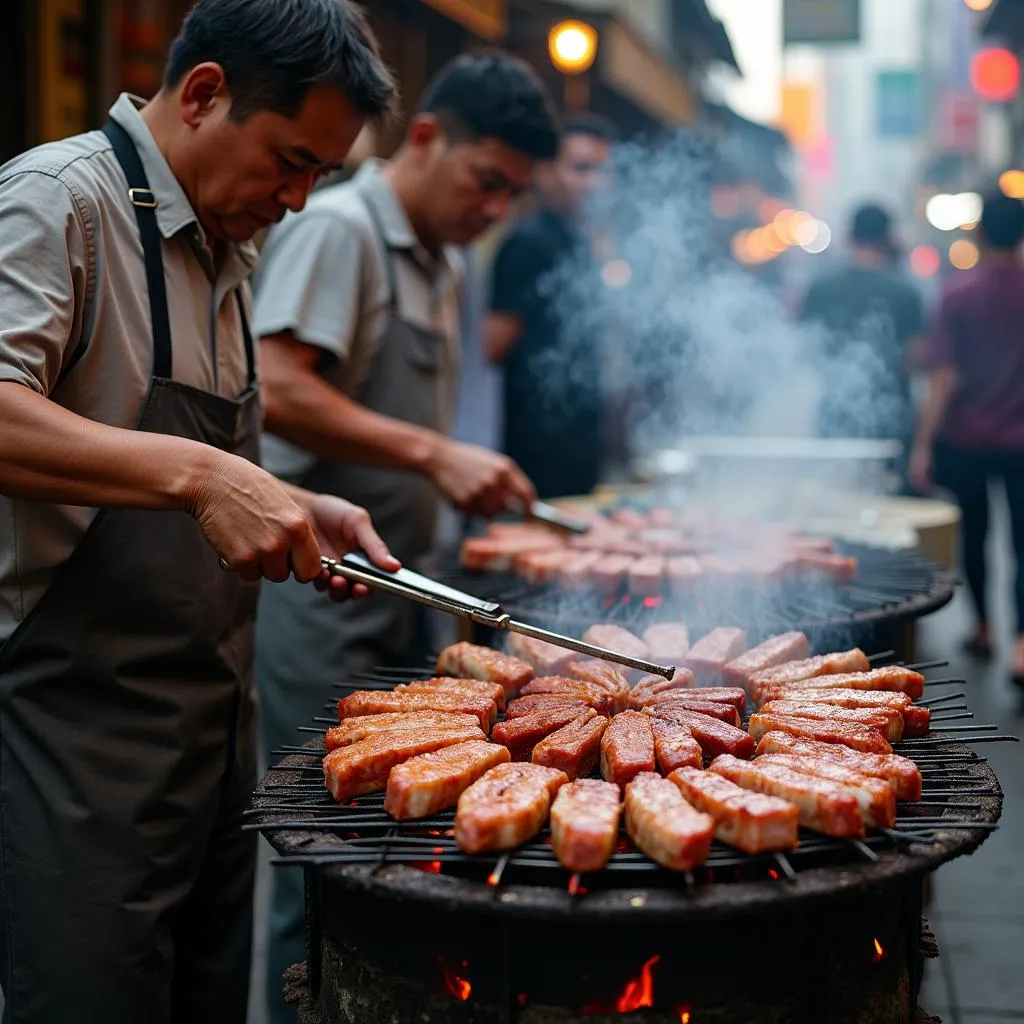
(639, 991)
(879, 951)
(456, 987)
(684, 1015)
(493, 879)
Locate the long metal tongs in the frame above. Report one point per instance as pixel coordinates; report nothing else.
(357, 568)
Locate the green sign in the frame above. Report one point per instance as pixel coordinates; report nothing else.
(899, 105)
(821, 21)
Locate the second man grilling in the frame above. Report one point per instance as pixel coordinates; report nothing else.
(357, 305)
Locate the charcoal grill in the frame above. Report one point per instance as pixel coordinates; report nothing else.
(892, 589)
(404, 927)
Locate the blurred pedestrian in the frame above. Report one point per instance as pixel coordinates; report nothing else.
(971, 429)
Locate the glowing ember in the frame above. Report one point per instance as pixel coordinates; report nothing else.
(494, 877)
(879, 951)
(638, 992)
(575, 889)
(433, 867)
(438, 849)
(773, 874)
(684, 1015)
(652, 602)
(456, 987)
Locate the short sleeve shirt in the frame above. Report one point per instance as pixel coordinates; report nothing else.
(323, 278)
(75, 322)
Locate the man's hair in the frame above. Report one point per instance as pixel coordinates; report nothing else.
(872, 226)
(274, 51)
(594, 125)
(1002, 222)
(493, 95)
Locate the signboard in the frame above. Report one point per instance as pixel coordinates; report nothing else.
(798, 112)
(820, 21)
(899, 106)
(958, 123)
(63, 68)
(486, 18)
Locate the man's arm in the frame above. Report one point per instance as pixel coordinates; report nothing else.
(501, 332)
(521, 260)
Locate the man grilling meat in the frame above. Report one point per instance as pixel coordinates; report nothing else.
(135, 522)
(357, 306)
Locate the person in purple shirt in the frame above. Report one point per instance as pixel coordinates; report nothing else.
(971, 427)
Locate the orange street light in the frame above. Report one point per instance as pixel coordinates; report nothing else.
(572, 46)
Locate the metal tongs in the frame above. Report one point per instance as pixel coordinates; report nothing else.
(357, 568)
(545, 513)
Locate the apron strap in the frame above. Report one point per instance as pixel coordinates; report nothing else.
(389, 258)
(144, 202)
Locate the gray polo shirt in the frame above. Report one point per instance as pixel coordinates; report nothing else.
(74, 315)
(323, 277)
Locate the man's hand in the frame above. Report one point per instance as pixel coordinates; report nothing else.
(921, 468)
(477, 480)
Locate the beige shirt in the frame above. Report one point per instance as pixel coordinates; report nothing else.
(74, 315)
(323, 277)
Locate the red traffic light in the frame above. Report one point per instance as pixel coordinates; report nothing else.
(995, 74)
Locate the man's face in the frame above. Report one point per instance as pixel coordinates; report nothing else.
(579, 170)
(469, 186)
(245, 176)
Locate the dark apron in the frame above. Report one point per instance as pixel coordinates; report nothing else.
(305, 642)
(127, 745)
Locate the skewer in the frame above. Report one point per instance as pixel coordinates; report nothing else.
(961, 713)
(880, 656)
(945, 682)
(932, 701)
(920, 666)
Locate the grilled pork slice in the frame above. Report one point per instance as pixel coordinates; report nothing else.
(611, 571)
(752, 822)
(649, 688)
(888, 721)
(538, 567)
(674, 746)
(574, 573)
(429, 783)
(668, 642)
(684, 573)
(363, 767)
(850, 734)
(596, 696)
(899, 772)
(546, 659)
(714, 737)
(611, 677)
(838, 568)
(708, 657)
(521, 735)
(664, 825)
(469, 661)
(530, 705)
(823, 806)
(617, 639)
(505, 807)
(445, 684)
(875, 797)
(575, 748)
(627, 748)
(915, 719)
(352, 730)
(774, 651)
(892, 677)
(497, 554)
(645, 576)
(685, 702)
(854, 660)
(731, 695)
(379, 702)
(585, 824)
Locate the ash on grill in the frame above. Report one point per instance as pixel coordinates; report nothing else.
(403, 926)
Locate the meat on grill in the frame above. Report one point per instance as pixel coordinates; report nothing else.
(575, 748)
(538, 567)
(668, 642)
(690, 701)
(774, 651)
(363, 767)
(708, 657)
(444, 684)
(546, 659)
(650, 687)
(535, 702)
(854, 660)
(888, 721)
(521, 735)
(497, 554)
(836, 568)
(674, 746)
(379, 702)
(752, 822)
(601, 673)
(627, 748)
(823, 806)
(850, 734)
(645, 576)
(892, 677)
(596, 696)
(574, 573)
(610, 572)
(585, 824)
(469, 661)
(684, 573)
(916, 719)
(714, 737)
(900, 772)
(875, 797)
(432, 782)
(505, 807)
(664, 826)
(352, 730)
(617, 639)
